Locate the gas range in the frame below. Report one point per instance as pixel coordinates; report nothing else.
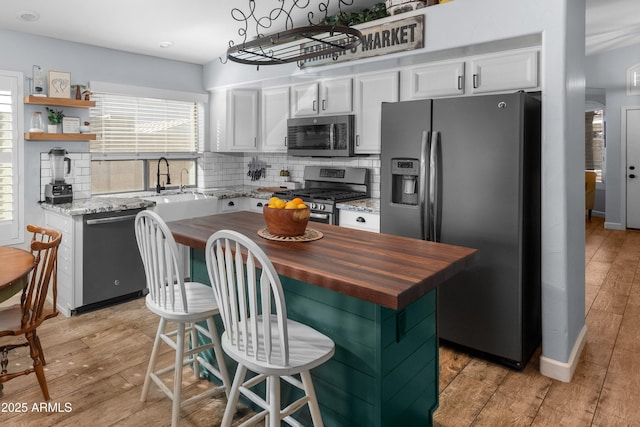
(326, 186)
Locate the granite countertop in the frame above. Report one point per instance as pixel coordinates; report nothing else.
(125, 201)
(363, 205)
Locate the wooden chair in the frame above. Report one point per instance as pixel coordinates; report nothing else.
(182, 303)
(258, 334)
(23, 319)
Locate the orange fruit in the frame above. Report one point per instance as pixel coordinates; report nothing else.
(291, 205)
(301, 206)
(297, 201)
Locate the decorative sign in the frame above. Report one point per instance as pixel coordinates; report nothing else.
(383, 39)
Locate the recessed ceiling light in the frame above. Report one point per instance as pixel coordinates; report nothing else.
(28, 16)
(165, 45)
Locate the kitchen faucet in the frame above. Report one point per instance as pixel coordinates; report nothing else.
(181, 185)
(158, 186)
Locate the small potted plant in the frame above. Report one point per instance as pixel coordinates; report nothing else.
(55, 118)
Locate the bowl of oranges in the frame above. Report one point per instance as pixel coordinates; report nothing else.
(286, 218)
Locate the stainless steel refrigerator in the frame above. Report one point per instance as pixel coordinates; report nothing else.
(466, 171)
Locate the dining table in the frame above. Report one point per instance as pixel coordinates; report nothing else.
(15, 266)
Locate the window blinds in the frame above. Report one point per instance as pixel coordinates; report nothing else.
(128, 124)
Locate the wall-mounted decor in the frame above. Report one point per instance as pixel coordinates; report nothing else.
(59, 84)
(71, 125)
(382, 39)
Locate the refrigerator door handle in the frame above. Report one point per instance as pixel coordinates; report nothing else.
(422, 185)
(434, 186)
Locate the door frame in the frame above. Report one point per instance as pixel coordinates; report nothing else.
(623, 163)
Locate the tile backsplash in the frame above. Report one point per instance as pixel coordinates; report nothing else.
(222, 170)
(79, 177)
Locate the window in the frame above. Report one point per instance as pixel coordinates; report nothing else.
(594, 143)
(133, 132)
(11, 191)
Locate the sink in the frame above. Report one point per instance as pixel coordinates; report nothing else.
(173, 207)
(180, 197)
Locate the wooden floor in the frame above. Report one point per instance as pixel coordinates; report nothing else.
(96, 362)
(605, 390)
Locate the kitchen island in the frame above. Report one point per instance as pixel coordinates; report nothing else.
(374, 294)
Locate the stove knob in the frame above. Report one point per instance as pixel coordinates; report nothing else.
(312, 205)
(321, 207)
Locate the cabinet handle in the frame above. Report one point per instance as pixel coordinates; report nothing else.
(459, 82)
(324, 104)
(285, 141)
(314, 105)
(475, 81)
(357, 140)
(360, 219)
(259, 204)
(231, 204)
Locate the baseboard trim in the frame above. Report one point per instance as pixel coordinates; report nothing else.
(613, 226)
(563, 371)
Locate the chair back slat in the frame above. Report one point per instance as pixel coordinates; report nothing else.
(251, 305)
(163, 271)
(33, 300)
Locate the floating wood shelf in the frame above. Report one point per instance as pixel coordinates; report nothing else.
(60, 102)
(42, 136)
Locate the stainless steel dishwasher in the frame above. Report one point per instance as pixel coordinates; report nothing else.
(112, 269)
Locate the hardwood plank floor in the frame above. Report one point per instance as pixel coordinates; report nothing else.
(605, 389)
(96, 363)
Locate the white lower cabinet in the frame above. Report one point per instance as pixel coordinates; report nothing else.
(367, 221)
(69, 260)
(255, 204)
(232, 205)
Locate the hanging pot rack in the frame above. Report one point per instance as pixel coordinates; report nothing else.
(292, 44)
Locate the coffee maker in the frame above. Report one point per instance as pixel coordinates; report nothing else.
(58, 191)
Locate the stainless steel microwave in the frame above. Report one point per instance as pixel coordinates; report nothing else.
(323, 136)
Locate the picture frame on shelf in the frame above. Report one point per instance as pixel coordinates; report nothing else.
(70, 124)
(59, 84)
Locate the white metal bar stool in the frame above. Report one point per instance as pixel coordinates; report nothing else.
(258, 334)
(179, 302)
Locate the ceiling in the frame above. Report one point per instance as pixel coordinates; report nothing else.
(199, 31)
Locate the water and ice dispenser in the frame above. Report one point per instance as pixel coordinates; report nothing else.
(405, 182)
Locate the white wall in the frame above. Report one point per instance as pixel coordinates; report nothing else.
(458, 27)
(608, 70)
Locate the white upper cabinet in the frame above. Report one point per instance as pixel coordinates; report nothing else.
(242, 119)
(433, 80)
(370, 92)
(490, 73)
(234, 120)
(334, 96)
(274, 115)
(497, 72)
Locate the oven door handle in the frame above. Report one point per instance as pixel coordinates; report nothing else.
(110, 219)
(319, 215)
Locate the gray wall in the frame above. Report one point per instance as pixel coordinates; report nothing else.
(608, 70)
(85, 63)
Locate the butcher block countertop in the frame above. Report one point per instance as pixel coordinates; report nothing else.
(384, 269)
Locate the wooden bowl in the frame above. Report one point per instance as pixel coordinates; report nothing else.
(286, 222)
